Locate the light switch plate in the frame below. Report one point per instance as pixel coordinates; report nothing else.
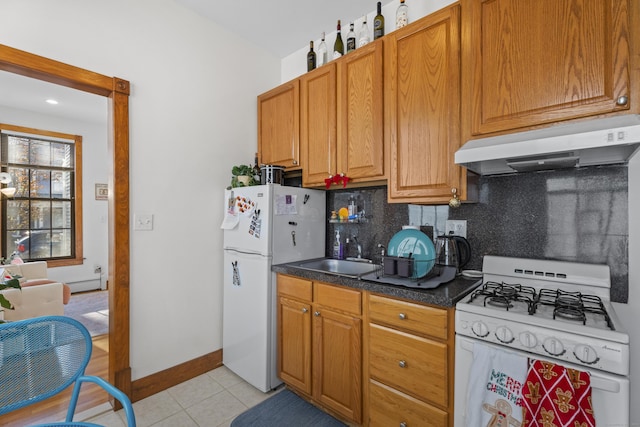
(143, 222)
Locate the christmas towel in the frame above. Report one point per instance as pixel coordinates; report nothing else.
(555, 396)
(494, 394)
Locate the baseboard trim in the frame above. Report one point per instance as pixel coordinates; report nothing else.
(155, 383)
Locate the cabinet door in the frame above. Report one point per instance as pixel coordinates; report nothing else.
(294, 344)
(422, 98)
(540, 61)
(360, 114)
(337, 365)
(318, 125)
(279, 126)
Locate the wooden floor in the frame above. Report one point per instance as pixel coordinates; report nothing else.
(55, 408)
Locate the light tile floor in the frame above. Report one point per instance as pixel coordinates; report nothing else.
(211, 400)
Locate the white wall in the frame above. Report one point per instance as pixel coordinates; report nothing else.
(192, 116)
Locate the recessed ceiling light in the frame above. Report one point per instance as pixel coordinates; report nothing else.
(52, 101)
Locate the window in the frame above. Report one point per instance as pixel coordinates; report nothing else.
(43, 220)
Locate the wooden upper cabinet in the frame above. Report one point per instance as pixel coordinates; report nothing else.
(279, 126)
(318, 124)
(360, 114)
(532, 62)
(422, 109)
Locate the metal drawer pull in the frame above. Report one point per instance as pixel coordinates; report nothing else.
(317, 313)
(622, 100)
(402, 364)
(403, 424)
(304, 310)
(402, 316)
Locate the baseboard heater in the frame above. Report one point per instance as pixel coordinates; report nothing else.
(85, 285)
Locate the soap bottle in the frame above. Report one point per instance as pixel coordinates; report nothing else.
(338, 249)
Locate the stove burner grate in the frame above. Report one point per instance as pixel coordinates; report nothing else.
(572, 305)
(504, 294)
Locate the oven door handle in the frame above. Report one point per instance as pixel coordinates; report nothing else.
(605, 384)
(466, 345)
(597, 382)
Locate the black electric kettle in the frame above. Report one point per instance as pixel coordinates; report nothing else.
(452, 251)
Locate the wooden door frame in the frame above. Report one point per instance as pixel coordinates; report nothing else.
(117, 91)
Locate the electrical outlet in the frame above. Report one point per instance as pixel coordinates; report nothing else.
(97, 269)
(458, 227)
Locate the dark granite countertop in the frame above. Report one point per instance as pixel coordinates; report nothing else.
(445, 295)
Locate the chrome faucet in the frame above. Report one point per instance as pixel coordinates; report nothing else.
(359, 246)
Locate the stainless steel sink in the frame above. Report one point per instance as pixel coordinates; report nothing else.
(339, 267)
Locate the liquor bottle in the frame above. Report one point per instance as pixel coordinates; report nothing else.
(363, 37)
(378, 23)
(338, 46)
(321, 53)
(402, 15)
(311, 57)
(351, 39)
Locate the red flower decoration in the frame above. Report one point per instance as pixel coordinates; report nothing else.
(337, 179)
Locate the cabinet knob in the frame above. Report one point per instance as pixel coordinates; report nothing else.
(295, 162)
(402, 364)
(317, 314)
(304, 310)
(402, 316)
(622, 100)
(403, 424)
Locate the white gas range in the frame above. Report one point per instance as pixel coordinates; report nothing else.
(549, 310)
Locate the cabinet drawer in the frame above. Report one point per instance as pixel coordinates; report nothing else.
(295, 287)
(389, 407)
(412, 364)
(344, 299)
(409, 316)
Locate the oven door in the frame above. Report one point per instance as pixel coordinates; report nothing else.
(610, 393)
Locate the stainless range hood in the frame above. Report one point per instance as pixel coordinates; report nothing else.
(593, 142)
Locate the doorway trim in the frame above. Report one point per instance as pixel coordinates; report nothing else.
(117, 92)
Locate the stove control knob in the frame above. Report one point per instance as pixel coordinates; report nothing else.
(586, 354)
(553, 346)
(480, 329)
(528, 340)
(504, 335)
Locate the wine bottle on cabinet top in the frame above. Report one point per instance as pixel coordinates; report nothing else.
(338, 46)
(402, 15)
(378, 23)
(311, 58)
(321, 52)
(351, 39)
(363, 37)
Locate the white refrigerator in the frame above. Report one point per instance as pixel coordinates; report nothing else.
(263, 225)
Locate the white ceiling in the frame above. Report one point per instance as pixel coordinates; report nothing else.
(281, 26)
(24, 93)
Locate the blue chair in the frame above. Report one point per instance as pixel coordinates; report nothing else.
(41, 357)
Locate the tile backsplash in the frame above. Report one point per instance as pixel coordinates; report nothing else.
(570, 214)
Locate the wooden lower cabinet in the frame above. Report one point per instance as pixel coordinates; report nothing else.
(368, 359)
(409, 363)
(337, 364)
(295, 346)
(320, 344)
